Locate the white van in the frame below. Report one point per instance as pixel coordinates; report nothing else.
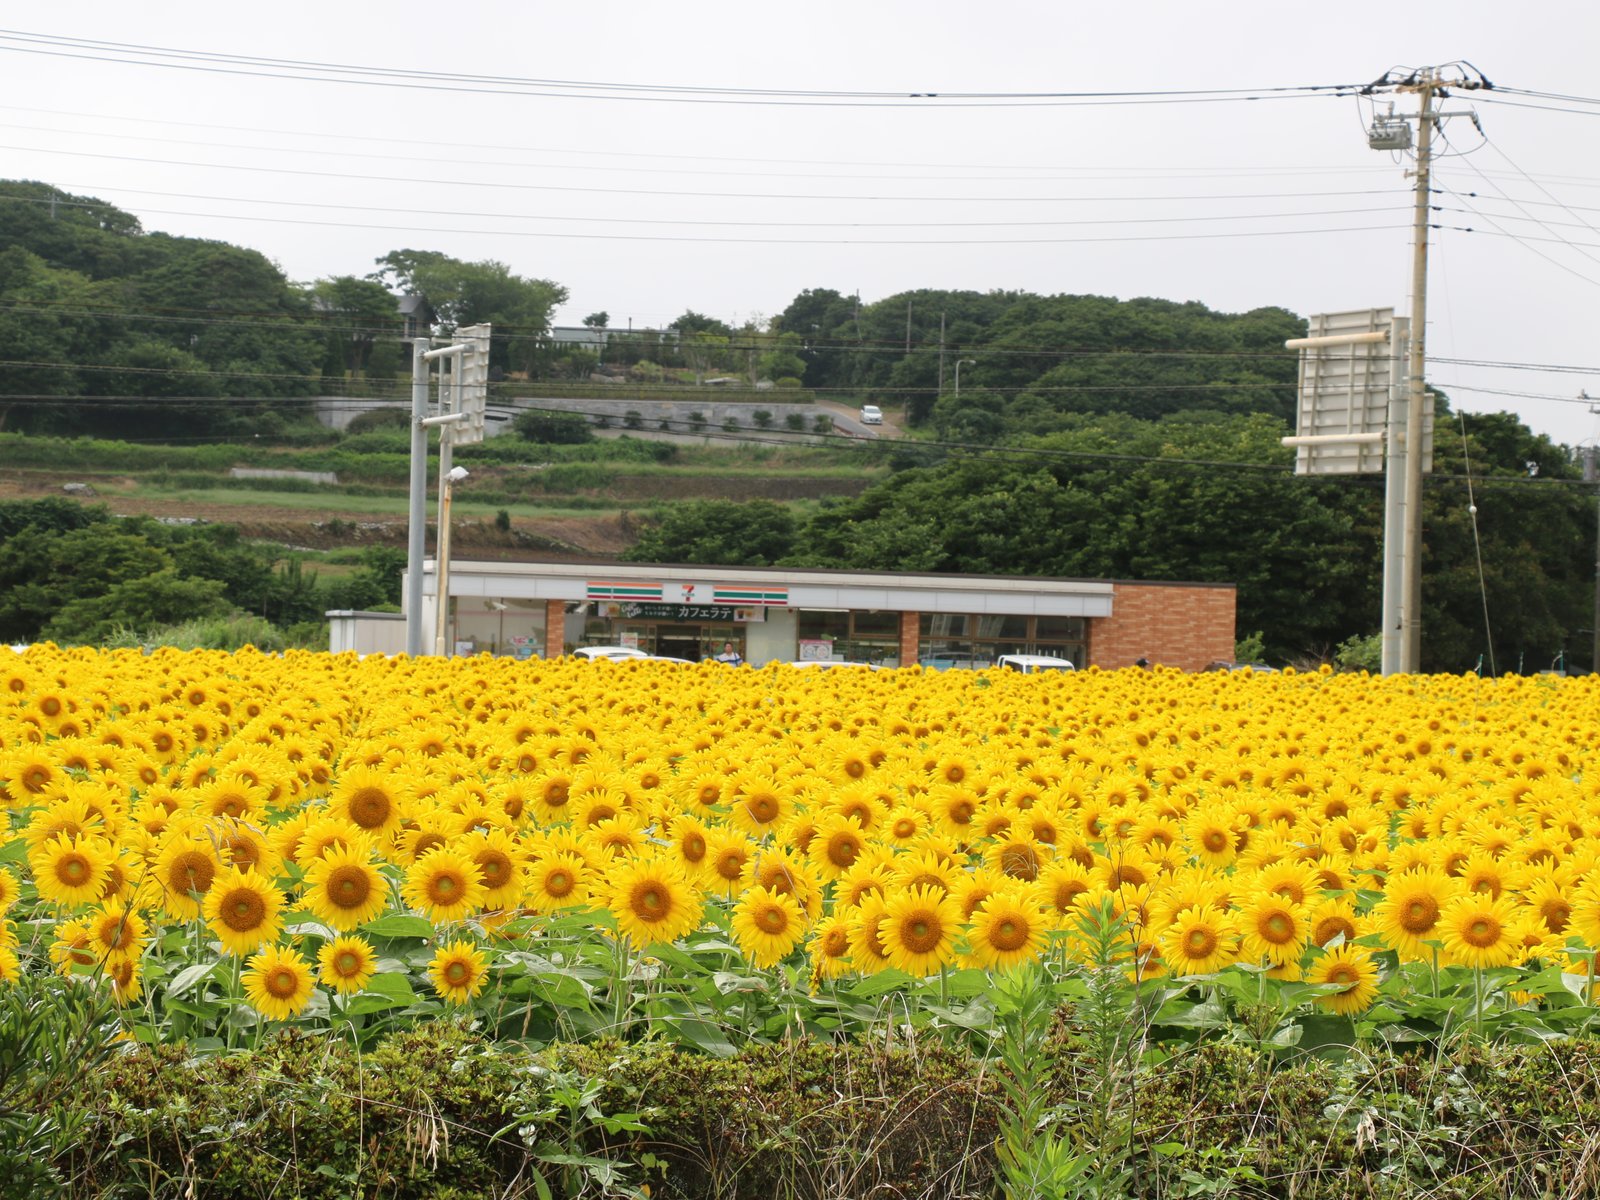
(871, 414)
(1031, 664)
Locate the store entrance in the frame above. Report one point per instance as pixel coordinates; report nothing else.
(678, 641)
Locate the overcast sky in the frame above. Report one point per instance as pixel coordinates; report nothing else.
(647, 198)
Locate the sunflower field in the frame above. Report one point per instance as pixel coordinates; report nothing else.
(228, 847)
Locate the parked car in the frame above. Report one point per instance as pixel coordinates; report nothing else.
(1224, 665)
(1033, 664)
(609, 653)
(871, 414)
(833, 662)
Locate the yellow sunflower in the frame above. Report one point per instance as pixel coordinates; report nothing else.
(1479, 930)
(71, 870)
(868, 951)
(186, 867)
(829, 948)
(919, 929)
(1201, 940)
(117, 932)
(556, 880)
(1274, 929)
(1353, 974)
(652, 901)
(373, 800)
(278, 983)
(343, 888)
(501, 861)
(767, 924)
(458, 972)
(445, 884)
(1008, 928)
(1408, 915)
(347, 963)
(243, 910)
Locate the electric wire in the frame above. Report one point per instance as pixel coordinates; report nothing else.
(215, 62)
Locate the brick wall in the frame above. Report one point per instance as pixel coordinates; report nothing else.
(1184, 625)
(910, 633)
(555, 628)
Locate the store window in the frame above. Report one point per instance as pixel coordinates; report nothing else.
(869, 636)
(973, 642)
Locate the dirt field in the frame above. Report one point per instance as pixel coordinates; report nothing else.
(331, 526)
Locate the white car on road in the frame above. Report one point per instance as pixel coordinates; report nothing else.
(871, 414)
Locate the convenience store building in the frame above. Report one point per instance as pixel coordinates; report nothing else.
(544, 609)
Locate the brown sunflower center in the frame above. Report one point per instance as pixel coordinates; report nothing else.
(835, 943)
(1020, 862)
(1419, 914)
(457, 973)
(649, 900)
(762, 807)
(1215, 841)
(347, 963)
(1331, 927)
(693, 847)
(1200, 943)
(1277, 928)
(921, 932)
(1481, 932)
(1556, 913)
(371, 807)
(445, 887)
(243, 910)
(1009, 934)
(772, 919)
(1345, 974)
(496, 868)
(282, 983)
(191, 871)
(348, 887)
(73, 870)
(426, 842)
(559, 882)
(730, 866)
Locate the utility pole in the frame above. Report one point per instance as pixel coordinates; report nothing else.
(908, 327)
(941, 354)
(1426, 85)
(1591, 474)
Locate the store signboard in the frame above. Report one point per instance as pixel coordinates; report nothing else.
(815, 649)
(623, 591)
(727, 594)
(627, 610)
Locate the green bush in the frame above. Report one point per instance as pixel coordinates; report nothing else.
(552, 428)
(444, 1112)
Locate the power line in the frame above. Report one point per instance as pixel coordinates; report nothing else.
(519, 216)
(214, 62)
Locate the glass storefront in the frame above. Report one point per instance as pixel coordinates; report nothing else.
(691, 632)
(975, 640)
(509, 627)
(867, 636)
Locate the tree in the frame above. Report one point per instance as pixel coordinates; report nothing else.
(598, 320)
(725, 532)
(358, 313)
(552, 428)
(472, 293)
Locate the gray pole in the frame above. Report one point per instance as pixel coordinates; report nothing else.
(1411, 636)
(1394, 507)
(417, 526)
(1591, 474)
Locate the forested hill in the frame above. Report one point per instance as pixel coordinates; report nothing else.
(1032, 359)
(94, 309)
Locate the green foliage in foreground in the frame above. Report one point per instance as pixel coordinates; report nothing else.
(441, 1111)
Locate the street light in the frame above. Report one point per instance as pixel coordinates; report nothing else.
(442, 605)
(971, 362)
